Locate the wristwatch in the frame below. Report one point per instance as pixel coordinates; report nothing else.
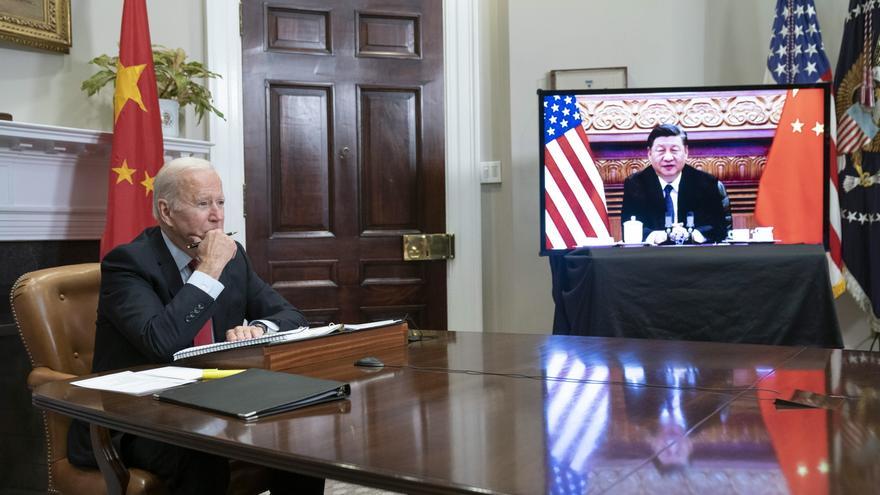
(266, 329)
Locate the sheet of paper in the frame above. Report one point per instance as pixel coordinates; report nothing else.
(128, 382)
(372, 324)
(178, 372)
(308, 333)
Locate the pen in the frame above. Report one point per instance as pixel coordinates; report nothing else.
(196, 244)
(213, 373)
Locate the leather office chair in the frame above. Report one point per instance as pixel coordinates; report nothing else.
(55, 310)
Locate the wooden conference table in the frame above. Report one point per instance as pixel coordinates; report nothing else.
(505, 413)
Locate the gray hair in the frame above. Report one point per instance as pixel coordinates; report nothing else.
(166, 184)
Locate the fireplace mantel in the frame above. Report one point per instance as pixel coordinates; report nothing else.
(53, 180)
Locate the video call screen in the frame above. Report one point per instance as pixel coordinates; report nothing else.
(767, 145)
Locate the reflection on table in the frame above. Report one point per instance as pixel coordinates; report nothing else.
(476, 413)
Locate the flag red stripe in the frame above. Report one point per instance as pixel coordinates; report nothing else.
(585, 181)
(568, 194)
(558, 221)
(591, 187)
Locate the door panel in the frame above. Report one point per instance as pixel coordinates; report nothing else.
(301, 147)
(343, 105)
(389, 125)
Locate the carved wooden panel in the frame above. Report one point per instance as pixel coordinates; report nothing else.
(304, 274)
(390, 123)
(385, 35)
(414, 313)
(301, 167)
(725, 111)
(297, 30)
(392, 272)
(725, 168)
(321, 316)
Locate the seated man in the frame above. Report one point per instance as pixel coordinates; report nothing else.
(182, 283)
(671, 188)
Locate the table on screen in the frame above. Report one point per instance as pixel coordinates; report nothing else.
(758, 294)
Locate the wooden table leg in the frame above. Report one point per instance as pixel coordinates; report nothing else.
(112, 468)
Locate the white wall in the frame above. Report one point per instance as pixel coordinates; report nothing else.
(719, 42)
(42, 87)
(663, 43)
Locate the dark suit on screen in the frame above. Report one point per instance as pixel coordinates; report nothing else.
(146, 313)
(698, 192)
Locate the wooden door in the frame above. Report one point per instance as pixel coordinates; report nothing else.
(344, 147)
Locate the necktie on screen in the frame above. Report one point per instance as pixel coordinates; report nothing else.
(667, 195)
(206, 334)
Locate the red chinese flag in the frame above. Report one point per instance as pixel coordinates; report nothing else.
(791, 187)
(137, 133)
(799, 436)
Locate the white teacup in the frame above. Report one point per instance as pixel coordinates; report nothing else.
(738, 235)
(763, 234)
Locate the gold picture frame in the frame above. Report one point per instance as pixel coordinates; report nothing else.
(43, 24)
(598, 78)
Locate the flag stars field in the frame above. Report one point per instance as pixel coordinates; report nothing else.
(124, 173)
(127, 88)
(147, 183)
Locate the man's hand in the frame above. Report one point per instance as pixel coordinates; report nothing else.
(214, 252)
(656, 237)
(243, 333)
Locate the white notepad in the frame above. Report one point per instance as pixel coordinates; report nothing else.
(286, 336)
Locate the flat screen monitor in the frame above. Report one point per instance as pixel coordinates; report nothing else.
(768, 146)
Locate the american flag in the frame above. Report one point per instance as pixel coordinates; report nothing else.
(797, 55)
(574, 194)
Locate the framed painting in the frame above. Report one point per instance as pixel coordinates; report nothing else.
(43, 24)
(599, 78)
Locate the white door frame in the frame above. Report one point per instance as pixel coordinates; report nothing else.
(463, 212)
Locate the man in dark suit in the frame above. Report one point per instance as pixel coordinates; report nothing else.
(671, 188)
(182, 283)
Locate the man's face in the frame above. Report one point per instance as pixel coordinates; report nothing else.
(199, 207)
(668, 155)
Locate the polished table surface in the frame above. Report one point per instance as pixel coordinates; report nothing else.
(506, 413)
(753, 294)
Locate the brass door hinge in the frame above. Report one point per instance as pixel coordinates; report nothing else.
(421, 247)
(244, 199)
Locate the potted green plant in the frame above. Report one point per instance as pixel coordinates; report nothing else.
(176, 81)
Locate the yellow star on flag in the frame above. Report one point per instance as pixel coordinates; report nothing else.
(819, 128)
(127, 87)
(797, 126)
(124, 173)
(147, 183)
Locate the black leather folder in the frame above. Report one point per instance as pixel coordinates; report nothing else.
(256, 393)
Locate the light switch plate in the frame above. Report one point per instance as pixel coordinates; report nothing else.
(490, 172)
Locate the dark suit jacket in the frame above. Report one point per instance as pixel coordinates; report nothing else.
(146, 313)
(698, 192)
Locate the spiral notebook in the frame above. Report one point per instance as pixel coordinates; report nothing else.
(286, 336)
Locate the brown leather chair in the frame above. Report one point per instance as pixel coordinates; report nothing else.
(55, 310)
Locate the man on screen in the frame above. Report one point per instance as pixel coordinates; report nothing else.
(671, 190)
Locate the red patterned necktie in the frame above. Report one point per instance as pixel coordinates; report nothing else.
(206, 334)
